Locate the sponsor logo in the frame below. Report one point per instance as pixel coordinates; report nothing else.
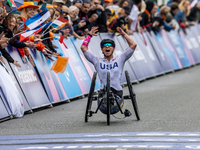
(26, 76)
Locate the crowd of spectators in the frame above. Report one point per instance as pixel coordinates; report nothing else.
(131, 15)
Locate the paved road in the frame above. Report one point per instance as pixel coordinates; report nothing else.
(168, 103)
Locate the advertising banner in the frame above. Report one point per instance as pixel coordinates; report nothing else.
(135, 63)
(119, 50)
(77, 66)
(161, 54)
(192, 44)
(29, 81)
(157, 68)
(89, 67)
(164, 42)
(149, 67)
(177, 44)
(68, 79)
(5, 110)
(187, 50)
(51, 84)
(25, 102)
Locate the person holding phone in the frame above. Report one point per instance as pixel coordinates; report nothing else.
(97, 11)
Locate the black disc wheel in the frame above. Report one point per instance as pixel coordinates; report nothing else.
(132, 95)
(90, 95)
(108, 100)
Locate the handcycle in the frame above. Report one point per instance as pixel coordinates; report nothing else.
(106, 104)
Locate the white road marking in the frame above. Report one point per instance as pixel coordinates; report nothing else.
(71, 146)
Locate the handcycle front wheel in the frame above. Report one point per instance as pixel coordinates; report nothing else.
(108, 100)
(90, 95)
(132, 95)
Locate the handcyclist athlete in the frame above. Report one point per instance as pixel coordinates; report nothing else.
(110, 63)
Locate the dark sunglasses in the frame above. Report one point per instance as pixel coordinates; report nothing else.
(107, 44)
(65, 13)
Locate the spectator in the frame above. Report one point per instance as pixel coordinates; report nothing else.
(160, 18)
(154, 10)
(52, 11)
(57, 12)
(123, 3)
(64, 11)
(9, 27)
(146, 21)
(97, 16)
(110, 15)
(195, 13)
(178, 15)
(108, 4)
(121, 21)
(73, 14)
(184, 6)
(83, 21)
(78, 3)
(134, 16)
(79, 25)
(83, 12)
(58, 3)
(173, 1)
(27, 11)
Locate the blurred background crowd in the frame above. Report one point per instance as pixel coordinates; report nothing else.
(131, 15)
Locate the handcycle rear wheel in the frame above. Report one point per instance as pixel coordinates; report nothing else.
(132, 95)
(108, 100)
(89, 102)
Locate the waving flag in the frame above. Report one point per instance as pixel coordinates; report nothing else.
(25, 35)
(62, 42)
(60, 64)
(59, 22)
(38, 19)
(12, 3)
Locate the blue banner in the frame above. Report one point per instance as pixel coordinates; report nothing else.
(68, 78)
(178, 46)
(29, 81)
(118, 50)
(77, 66)
(135, 63)
(51, 84)
(161, 54)
(156, 65)
(147, 56)
(192, 45)
(89, 67)
(167, 51)
(25, 102)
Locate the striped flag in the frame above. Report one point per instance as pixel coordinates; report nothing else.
(12, 3)
(25, 35)
(59, 22)
(38, 19)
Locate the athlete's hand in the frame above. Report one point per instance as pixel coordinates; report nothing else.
(93, 31)
(121, 31)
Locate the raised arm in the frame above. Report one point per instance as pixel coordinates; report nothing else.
(130, 41)
(84, 46)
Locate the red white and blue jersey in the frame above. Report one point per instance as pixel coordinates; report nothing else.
(114, 66)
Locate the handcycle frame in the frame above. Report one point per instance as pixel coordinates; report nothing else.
(92, 98)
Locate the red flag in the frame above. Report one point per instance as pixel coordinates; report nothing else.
(61, 41)
(26, 35)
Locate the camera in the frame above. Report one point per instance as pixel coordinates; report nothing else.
(118, 22)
